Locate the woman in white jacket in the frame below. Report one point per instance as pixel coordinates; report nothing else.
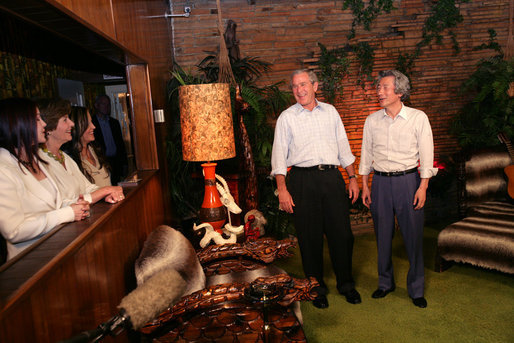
(30, 201)
(70, 180)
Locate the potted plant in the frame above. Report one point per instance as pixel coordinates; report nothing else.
(490, 108)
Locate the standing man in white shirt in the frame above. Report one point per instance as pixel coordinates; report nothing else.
(398, 146)
(311, 139)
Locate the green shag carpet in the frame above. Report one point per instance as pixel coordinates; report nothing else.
(465, 304)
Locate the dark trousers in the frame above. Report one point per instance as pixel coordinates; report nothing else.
(321, 208)
(390, 196)
(118, 169)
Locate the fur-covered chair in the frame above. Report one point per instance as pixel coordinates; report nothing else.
(234, 294)
(485, 235)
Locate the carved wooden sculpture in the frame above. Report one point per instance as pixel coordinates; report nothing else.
(230, 232)
(250, 193)
(254, 224)
(223, 313)
(229, 312)
(230, 258)
(231, 41)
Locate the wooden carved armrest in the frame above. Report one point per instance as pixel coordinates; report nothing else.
(236, 257)
(265, 250)
(292, 290)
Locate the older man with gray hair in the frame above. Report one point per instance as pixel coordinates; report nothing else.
(397, 145)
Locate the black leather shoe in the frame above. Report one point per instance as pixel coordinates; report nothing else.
(352, 296)
(420, 302)
(320, 301)
(380, 293)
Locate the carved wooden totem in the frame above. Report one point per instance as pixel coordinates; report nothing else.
(250, 190)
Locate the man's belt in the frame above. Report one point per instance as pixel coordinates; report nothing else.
(318, 167)
(396, 173)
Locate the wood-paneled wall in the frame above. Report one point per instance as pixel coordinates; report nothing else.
(75, 278)
(96, 12)
(139, 26)
(143, 129)
(143, 29)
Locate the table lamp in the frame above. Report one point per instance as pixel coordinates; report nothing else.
(207, 135)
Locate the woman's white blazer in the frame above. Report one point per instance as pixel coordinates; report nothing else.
(70, 181)
(27, 209)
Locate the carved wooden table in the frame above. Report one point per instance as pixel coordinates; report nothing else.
(224, 311)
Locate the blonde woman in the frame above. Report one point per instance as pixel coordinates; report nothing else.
(70, 180)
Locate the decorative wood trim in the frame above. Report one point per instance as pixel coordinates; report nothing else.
(143, 131)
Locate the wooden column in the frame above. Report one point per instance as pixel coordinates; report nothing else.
(143, 132)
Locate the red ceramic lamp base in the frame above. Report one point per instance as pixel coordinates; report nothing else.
(212, 210)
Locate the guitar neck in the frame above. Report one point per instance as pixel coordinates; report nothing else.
(503, 138)
(510, 148)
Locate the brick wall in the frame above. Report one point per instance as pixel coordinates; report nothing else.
(286, 34)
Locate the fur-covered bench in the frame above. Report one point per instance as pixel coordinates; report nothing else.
(485, 235)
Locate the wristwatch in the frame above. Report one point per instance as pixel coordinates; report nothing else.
(352, 176)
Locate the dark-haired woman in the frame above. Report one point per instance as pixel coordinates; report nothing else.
(30, 201)
(90, 161)
(71, 181)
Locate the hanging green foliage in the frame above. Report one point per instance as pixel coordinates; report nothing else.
(335, 63)
(365, 15)
(334, 66)
(366, 57)
(445, 14)
(492, 44)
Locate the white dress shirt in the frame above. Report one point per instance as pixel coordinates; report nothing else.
(398, 144)
(70, 180)
(27, 208)
(306, 138)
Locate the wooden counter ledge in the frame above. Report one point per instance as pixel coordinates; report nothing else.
(74, 277)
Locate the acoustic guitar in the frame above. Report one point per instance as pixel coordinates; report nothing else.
(509, 170)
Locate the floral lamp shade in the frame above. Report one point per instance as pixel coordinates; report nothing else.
(206, 122)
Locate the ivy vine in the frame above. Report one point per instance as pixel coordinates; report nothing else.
(365, 15)
(445, 15)
(334, 66)
(492, 44)
(365, 55)
(334, 63)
